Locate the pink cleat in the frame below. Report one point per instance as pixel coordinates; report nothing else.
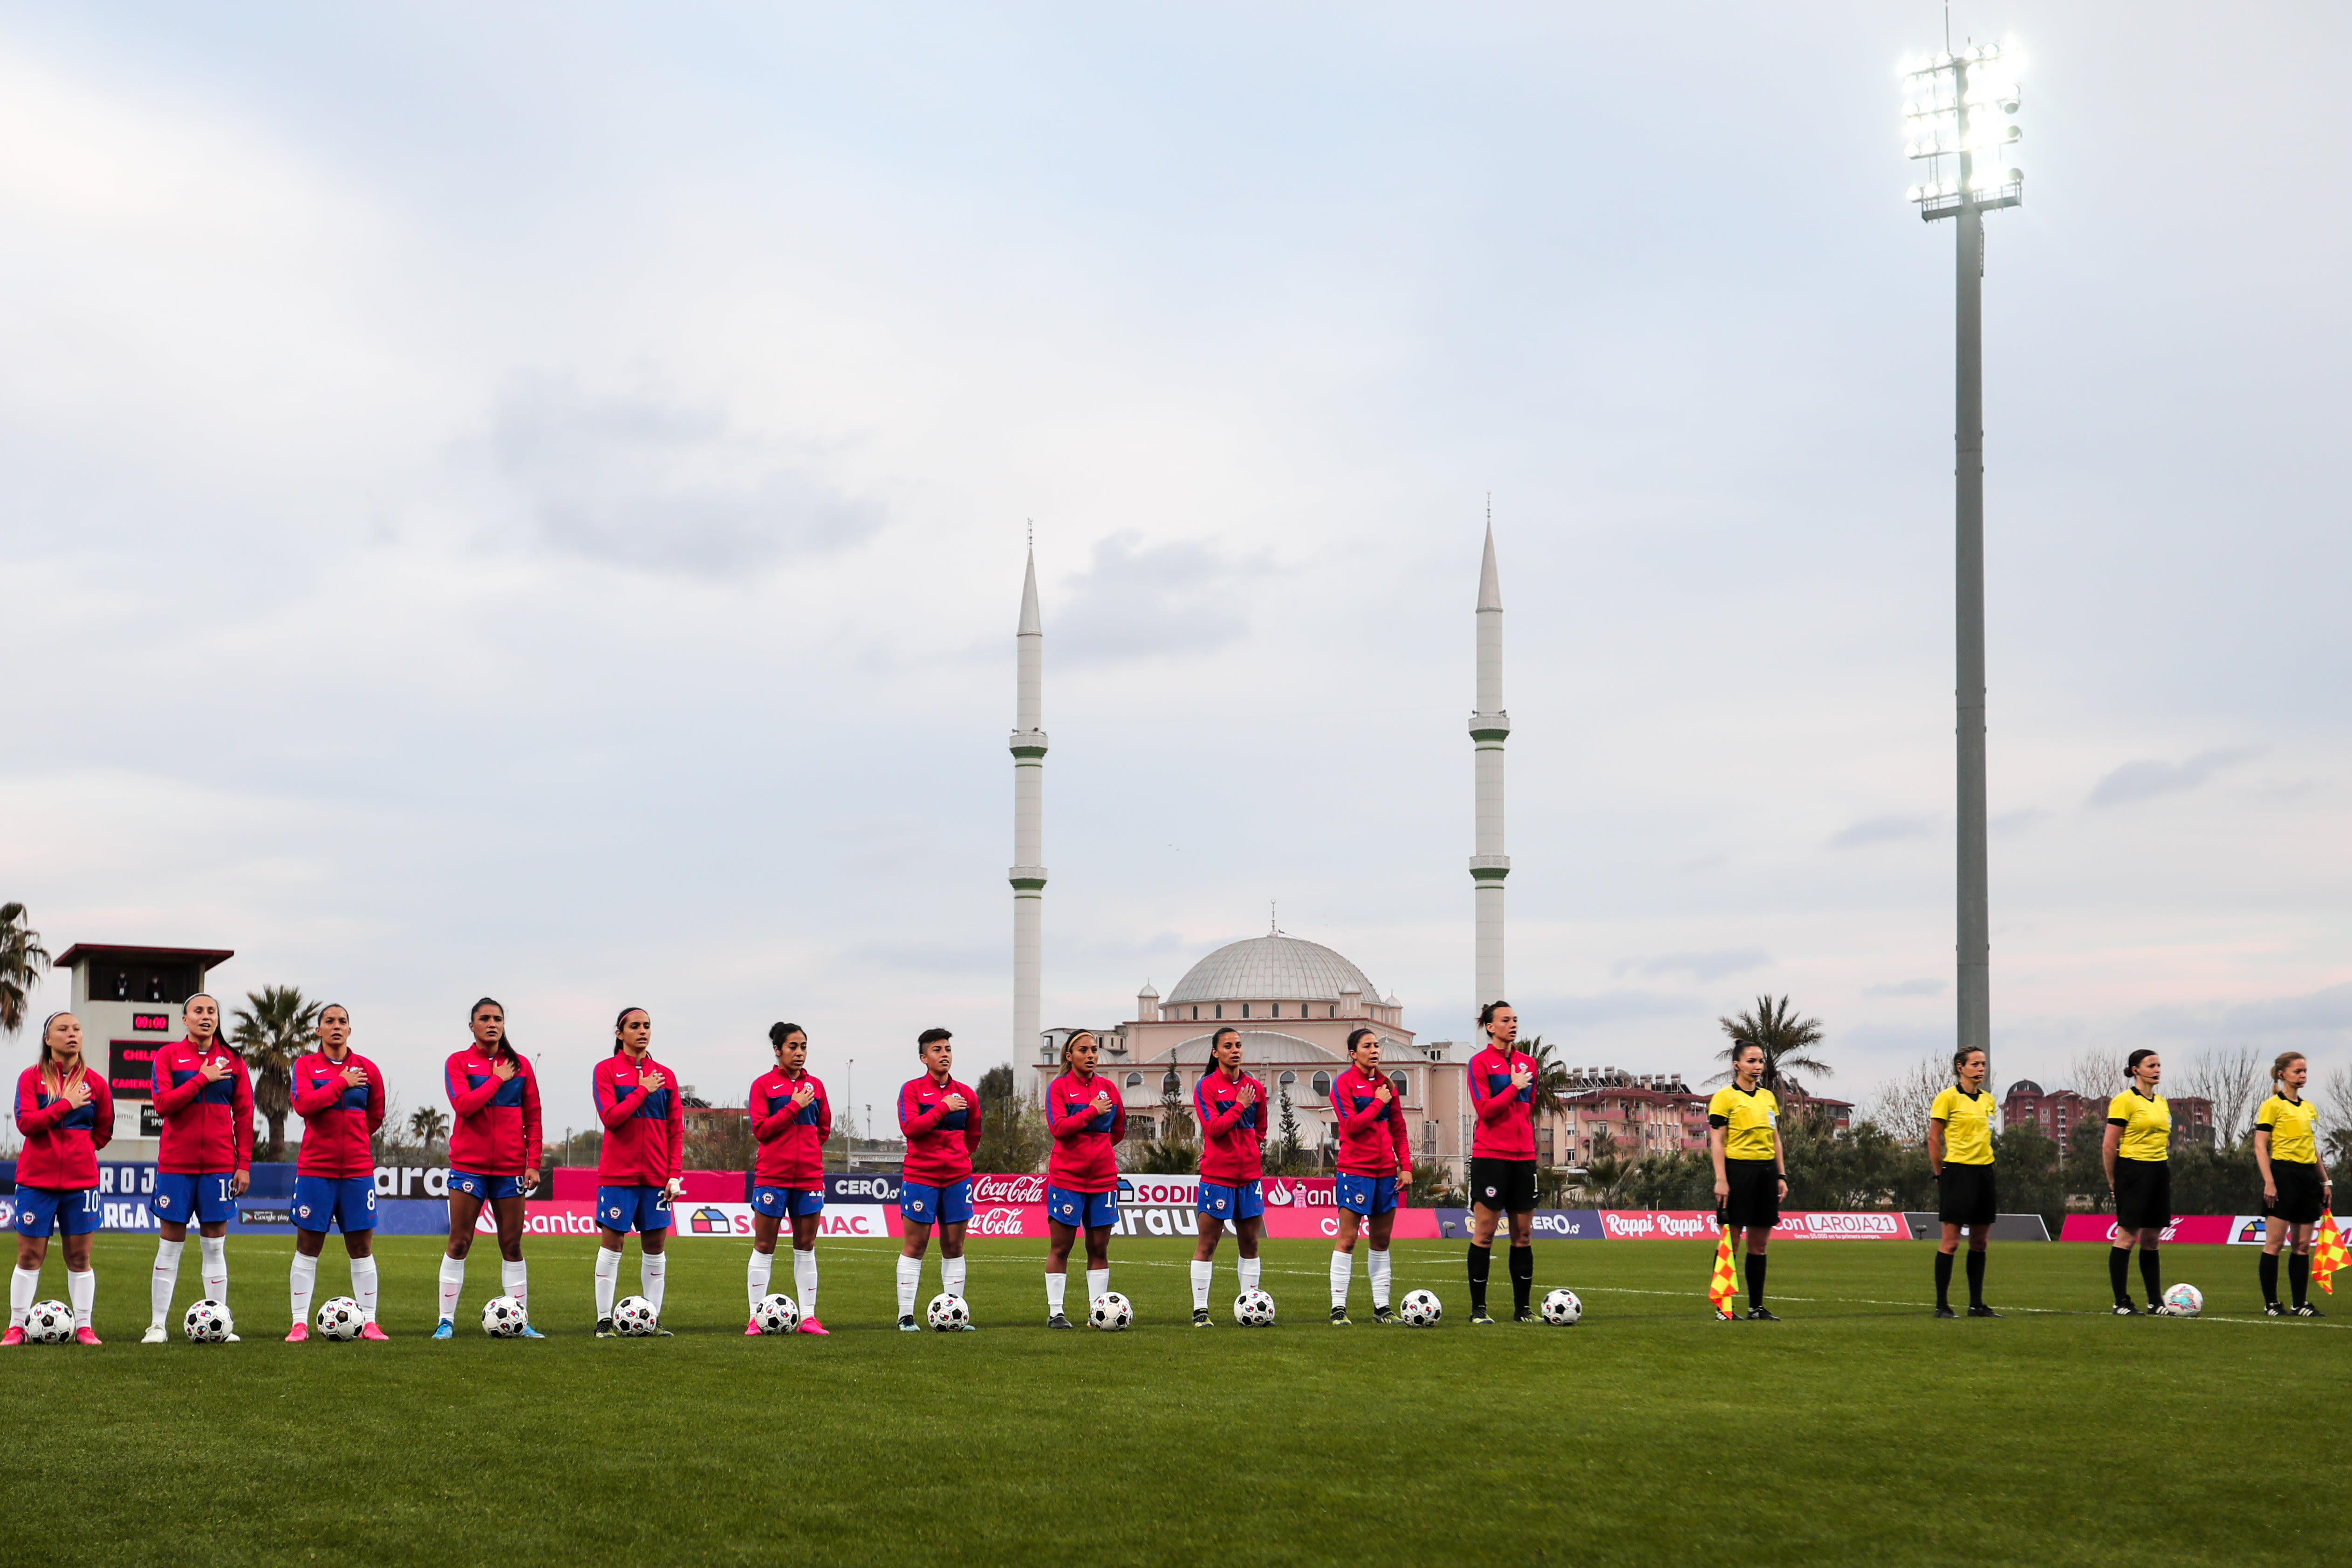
(87, 1335)
(370, 1332)
(13, 1337)
(811, 1326)
(297, 1334)
(751, 1330)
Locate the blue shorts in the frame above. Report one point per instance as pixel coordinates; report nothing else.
(641, 1209)
(40, 1210)
(1367, 1196)
(949, 1204)
(345, 1203)
(1246, 1200)
(1091, 1210)
(788, 1203)
(193, 1200)
(485, 1188)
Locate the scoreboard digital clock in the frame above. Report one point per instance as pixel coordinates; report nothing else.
(151, 1023)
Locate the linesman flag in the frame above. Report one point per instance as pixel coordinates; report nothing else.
(2328, 1253)
(1719, 1289)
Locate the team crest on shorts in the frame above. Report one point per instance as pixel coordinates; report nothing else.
(1490, 1192)
(304, 1211)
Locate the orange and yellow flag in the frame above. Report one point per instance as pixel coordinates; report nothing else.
(1720, 1289)
(2326, 1252)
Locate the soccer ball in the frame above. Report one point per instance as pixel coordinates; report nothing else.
(342, 1319)
(947, 1313)
(2185, 1301)
(1111, 1311)
(1254, 1309)
(633, 1316)
(776, 1315)
(1562, 1308)
(48, 1323)
(1421, 1309)
(503, 1317)
(207, 1323)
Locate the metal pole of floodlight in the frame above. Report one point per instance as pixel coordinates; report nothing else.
(1961, 107)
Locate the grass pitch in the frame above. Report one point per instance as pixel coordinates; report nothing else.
(1859, 1430)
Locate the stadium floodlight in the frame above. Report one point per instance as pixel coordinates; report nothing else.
(1960, 120)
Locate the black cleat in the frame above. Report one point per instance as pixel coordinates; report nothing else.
(2273, 1310)
(1524, 1315)
(1384, 1316)
(1339, 1319)
(2307, 1310)
(1480, 1315)
(1944, 1312)
(1200, 1318)
(907, 1324)
(1058, 1322)
(1979, 1310)
(604, 1328)
(1761, 1315)
(2126, 1310)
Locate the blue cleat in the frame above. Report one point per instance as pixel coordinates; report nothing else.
(444, 1329)
(529, 1333)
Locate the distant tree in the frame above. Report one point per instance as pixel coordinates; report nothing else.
(2030, 1179)
(1607, 1173)
(2232, 1079)
(1432, 1186)
(1012, 1135)
(1901, 1104)
(1288, 1157)
(428, 1126)
(279, 1026)
(1787, 1040)
(1176, 1150)
(23, 961)
(1550, 1084)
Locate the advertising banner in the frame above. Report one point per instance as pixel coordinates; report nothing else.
(2193, 1228)
(1689, 1224)
(1548, 1225)
(1927, 1226)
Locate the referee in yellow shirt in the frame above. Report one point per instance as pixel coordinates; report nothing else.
(1959, 1151)
(2296, 1189)
(2137, 1151)
(1751, 1172)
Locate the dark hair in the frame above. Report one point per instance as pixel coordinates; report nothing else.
(1073, 1039)
(779, 1033)
(1961, 1058)
(217, 1019)
(2278, 1067)
(1487, 1014)
(2131, 1066)
(621, 1018)
(506, 1041)
(339, 1007)
(1357, 1036)
(1222, 1031)
(924, 1041)
(1744, 1047)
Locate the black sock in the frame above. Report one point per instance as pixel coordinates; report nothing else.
(1754, 1280)
(1943, 1278)
(2266, 1270)
(2151, 1276)
(1976, 1279)
(1482, 1259)
(2298, 1275)
(2119, 1273)
(1523, 1275)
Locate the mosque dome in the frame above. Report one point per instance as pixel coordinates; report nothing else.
(1273, 968)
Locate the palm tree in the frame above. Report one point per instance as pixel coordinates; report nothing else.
(1787, 1041)
(428, 1126)
(22, 960)
(1552, 1078)
(278, 1027)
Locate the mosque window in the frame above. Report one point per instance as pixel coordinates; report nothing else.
(1323, 1085)
(1334, 1009)
(1220, 1009)
(1135, 1081)
(1274, 1010)
(1399, 1082)
(1196, 1012)
(1287, 1080)
(1245, 1009)
(1172, 1085)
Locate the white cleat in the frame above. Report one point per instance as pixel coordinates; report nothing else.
(232, 1339)
(155, 1335)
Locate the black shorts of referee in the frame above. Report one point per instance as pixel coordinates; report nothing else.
(2301, 1194)
(1754, 1200)
(1505, 1187)
(2143, 1194)
(1965, 1194)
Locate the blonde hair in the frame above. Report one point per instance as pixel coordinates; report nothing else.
(2286, 1060)
(49, 1075)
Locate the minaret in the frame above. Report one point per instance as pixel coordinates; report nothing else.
(1489, 727)
(1027, 876)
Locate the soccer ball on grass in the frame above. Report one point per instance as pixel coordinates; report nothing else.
(207, 1323)
(633, 1316)
(776, 1315)
(1421, 1308)
(1254, 1309)
(2184, 1300)
(1562, 1310)
(1110, 1312)
(503, 1317)
(342, 1319)
(948, 1313)
(48, 1323)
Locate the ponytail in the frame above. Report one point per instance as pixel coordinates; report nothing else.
(2278, 1068)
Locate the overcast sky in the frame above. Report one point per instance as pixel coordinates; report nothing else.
(530, 500)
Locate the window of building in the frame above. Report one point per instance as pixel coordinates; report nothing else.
(1287, 1080)
(1429, 1137)
(1171, 1084)
(1196, 1012)
(1220, 1009)
(1401, 1084)
(1323, 1085)
(1334, 1009)
(1245, 1009)
(1135, 1081)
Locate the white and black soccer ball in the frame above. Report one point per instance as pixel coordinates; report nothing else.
(1562, 1310)
(1110, 1312)
(48, 1323)
(340, 1318)
(633, 1316)
(207, 1323)
(948, 1313)
(1421, 1308)
(776, 1315)
(503, 1317)
(2185, 1301)
(1254, 1309)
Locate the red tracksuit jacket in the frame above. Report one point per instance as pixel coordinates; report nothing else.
(497, 1132)
(339, 1120)
(207, 1127)
(939, 1142)
(644, 1130)
(61, 1143)
(1085, 1140)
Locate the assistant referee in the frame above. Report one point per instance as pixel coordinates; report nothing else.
(1751, 1172)
(2137, 1151)
(1960, 1151)
(2295, 1188)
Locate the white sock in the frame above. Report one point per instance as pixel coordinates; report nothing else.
(805, 1280)
(165, 1280)
(1249, 1268)
(911, 1280)
(1204, 1272)
(453, 1283)
(755, 1278)
(1054, 1285)
(22, 1284)
(81, 1290)
(653, 1273)
(302, 1279)
(1343, 1266)
(213, 1253)
(514, 1280)
(363, 1286)
(951, 1276)
(1097, 1284)
(608, 1279)
(1377, 1266)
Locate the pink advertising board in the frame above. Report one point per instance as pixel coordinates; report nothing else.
(2205, 1228)
(1698, 1225)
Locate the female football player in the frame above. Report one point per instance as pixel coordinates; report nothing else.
(1374, 1155)
(940, 1118)
(494, 1153)
(1502, 1160)
(205, 1158)
(792, 1117)
(2295, 1188)
(1230, 1106)
(339, 1094)
(2137, 1155)
(1959, 1152)
(1086, 1119)
(640, 1165)
(1751, 1171)
(65, 1114)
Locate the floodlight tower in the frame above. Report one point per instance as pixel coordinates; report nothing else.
(1961, 105)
